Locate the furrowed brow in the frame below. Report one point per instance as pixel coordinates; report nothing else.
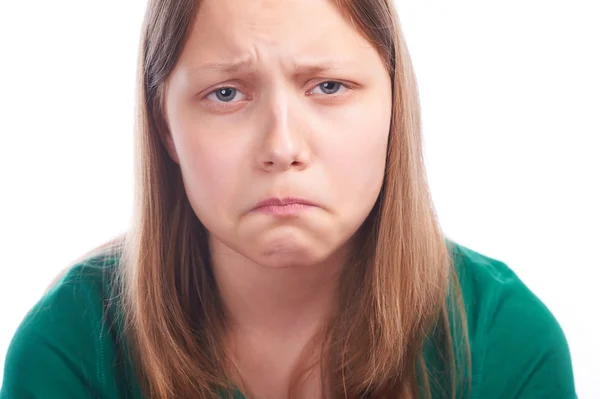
(299, 69)
(227, 67)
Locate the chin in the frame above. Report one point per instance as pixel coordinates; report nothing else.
(288, 250)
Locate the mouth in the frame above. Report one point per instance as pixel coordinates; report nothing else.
(287, 206)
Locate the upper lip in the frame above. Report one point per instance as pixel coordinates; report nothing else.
(274, 201)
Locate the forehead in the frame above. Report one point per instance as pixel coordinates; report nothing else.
(267, 30)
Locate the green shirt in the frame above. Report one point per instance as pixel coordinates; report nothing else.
(63, 350)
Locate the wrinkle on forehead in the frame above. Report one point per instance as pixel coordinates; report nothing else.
(232, 30)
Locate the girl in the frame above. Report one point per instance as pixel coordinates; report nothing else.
(284, 242)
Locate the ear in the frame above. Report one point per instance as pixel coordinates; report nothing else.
(167, 140)
(163, 125)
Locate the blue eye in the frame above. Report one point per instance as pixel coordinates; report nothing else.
(225, 94)
(229, 95)
(330, 87)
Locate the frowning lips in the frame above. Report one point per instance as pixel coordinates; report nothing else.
(286, 206)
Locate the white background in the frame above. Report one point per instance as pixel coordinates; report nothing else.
(511, 105)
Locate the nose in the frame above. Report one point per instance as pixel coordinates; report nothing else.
(283, 145)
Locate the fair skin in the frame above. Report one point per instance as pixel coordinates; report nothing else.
(273, 128)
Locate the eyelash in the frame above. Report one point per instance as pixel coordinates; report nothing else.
(221, 104)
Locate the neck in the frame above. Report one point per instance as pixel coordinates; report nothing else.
(272, 300)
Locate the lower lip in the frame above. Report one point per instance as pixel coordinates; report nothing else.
(283, 210)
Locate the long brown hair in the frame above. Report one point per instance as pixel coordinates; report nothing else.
(400, 290)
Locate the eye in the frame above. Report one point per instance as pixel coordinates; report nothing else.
(224, 95)
(329, 88)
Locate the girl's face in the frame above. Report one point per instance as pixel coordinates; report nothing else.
(280, 100)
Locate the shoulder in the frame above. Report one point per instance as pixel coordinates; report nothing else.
(518, 347)
(62, 346)
(78, 295)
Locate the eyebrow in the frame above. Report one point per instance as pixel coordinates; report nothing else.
(299, 68)
(223, 66)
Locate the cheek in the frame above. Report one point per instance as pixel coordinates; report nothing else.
(211, 164)
(358, 157)
(210, 172)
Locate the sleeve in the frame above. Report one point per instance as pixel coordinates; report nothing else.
(526, 355)
(54, 352)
